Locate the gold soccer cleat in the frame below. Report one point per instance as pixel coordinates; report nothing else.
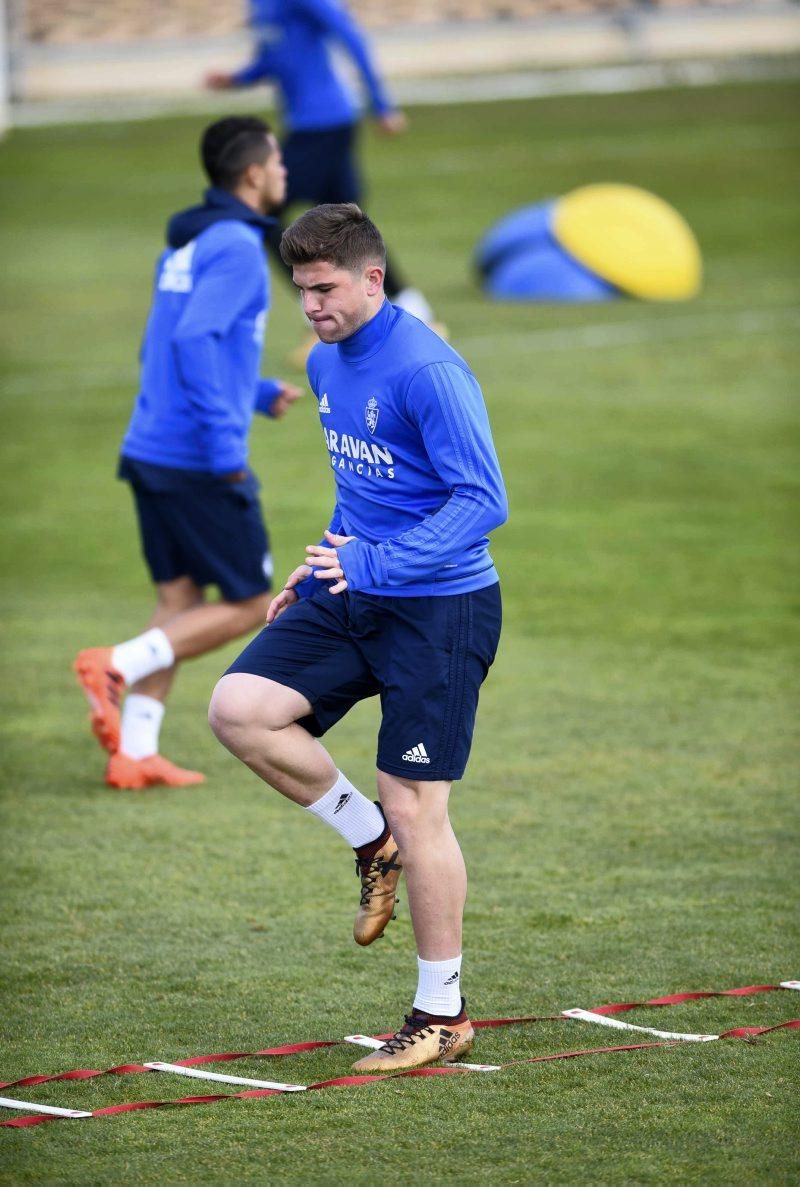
(379, 877)
(422, 1039)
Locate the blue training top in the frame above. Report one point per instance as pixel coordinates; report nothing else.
(297, 41)
(417, 477)
(202, 344)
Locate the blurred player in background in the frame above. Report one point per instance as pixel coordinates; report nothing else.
(297, 42)
(185, 451)
(401, 600)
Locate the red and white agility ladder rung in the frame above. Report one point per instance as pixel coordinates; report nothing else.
(264, 1088)
(7, 1102)
(177, 1070)
(602, 1020)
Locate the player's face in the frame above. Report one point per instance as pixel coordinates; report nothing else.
(272, 182)
(336, 301)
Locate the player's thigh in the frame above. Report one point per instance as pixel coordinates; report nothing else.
(344, 178)
(309, 648)
(437, 655)
(306, 157)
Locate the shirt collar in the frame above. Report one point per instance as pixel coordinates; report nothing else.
(369, 337)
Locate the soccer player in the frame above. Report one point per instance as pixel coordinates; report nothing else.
(297, 42)
(401, 600)
(185, 451)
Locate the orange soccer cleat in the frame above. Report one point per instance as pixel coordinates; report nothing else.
(133, 774)
(104, 687)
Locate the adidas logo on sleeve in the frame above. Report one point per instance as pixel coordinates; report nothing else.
(324, 406)
(417, 753)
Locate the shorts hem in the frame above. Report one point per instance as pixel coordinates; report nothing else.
(239, 596)
(423, 775)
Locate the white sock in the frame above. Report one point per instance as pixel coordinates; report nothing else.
(143, 655)
(141, 723)
(353, 816)
(414, 303)
(439, 986)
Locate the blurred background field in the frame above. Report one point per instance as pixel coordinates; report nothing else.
(630, 815)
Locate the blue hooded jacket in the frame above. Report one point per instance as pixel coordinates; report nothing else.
(202, 344)
(297, 40)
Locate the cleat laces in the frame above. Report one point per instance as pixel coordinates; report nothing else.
(115, 683)
(406, 1036)
(370, 873)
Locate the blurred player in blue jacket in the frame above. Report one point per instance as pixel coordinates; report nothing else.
(400, 600)
(296, 46)
(186, 448)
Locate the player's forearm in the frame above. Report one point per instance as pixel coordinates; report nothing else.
(439, 541)
(253, 72)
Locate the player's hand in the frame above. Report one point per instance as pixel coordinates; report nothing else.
(287, 597)
(284, 399)
(216, 80)
(327, 566)
(392, 123)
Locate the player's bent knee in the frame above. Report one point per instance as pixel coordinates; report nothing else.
(230, 712)
(242, 703)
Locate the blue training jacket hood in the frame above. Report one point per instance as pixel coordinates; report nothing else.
(217, 205)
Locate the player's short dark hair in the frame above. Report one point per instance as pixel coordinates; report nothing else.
(230, 145)
(338, 233)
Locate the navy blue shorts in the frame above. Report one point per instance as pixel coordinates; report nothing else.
(197, 525)
(425, 657)
(321, 166)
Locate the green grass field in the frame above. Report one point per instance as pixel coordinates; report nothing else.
(629, 817)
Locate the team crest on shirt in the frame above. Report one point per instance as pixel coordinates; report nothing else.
(371, 414)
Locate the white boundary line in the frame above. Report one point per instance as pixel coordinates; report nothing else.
(468, 87)
(603, 1020)
(217, 1077)
(7, 1102)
